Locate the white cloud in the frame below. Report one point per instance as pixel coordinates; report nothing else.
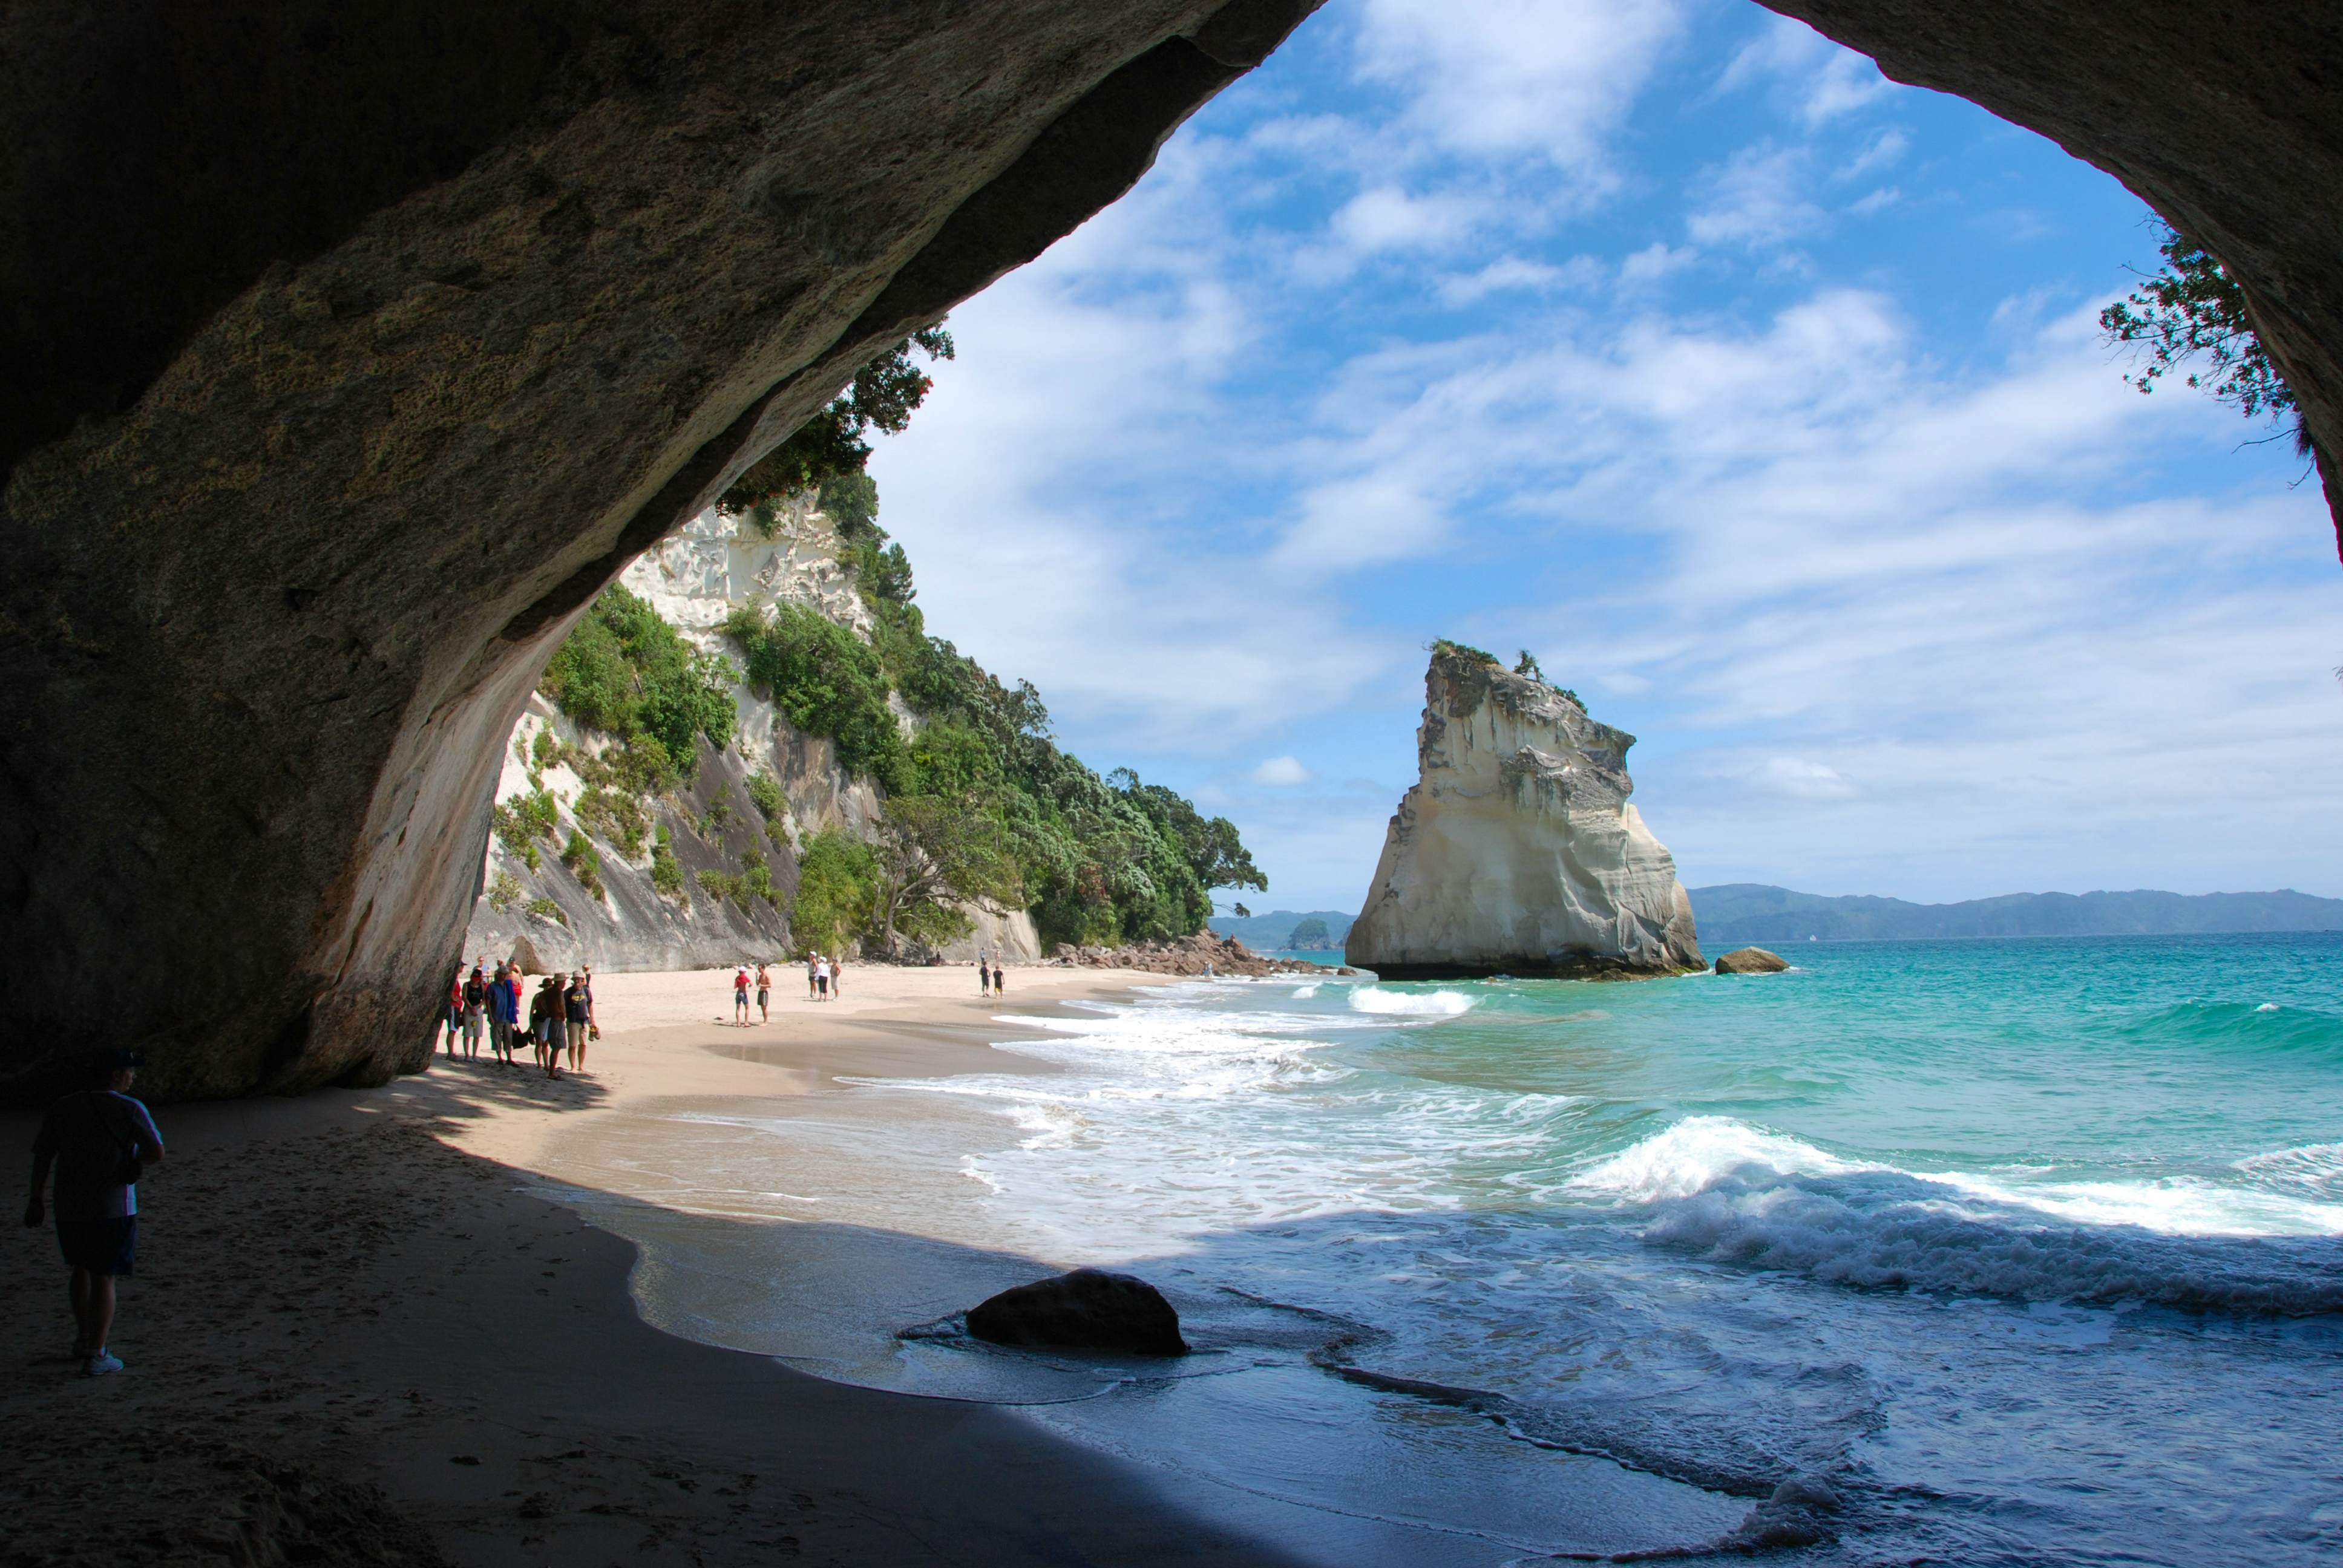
(1884, 152)
(1884, 197)
(1549, 78)
(1822, 79)
(1760, 198)
(1512, 274)
(1282, 773)
(1796, 777)
(1654, 262)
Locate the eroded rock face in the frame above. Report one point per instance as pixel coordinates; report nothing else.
(1517, 851)
(353, 348)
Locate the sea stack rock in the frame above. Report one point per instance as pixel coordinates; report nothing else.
(1751, 962)
(1516, 852)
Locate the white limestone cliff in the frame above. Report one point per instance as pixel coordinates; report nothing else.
(1517, 852)
(695, 578)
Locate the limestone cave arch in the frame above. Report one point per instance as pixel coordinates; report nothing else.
(350, 346)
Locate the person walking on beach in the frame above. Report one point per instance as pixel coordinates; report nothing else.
(984, 975)
(836, 978)
(1000, 976)
(537, 1010)
(556, 1023)
(96, 1140)
(512, 1015)
(504, 1011)
(452, 1010)
(764, 994)
(812, 958)
(575, 1014)
(476, 1012)
(740, 995)
(821, 979)
(593, 1024)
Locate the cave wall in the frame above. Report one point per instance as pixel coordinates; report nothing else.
(348, 347)
(381, 336)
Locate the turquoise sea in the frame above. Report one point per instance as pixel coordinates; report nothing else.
(1989, 1252)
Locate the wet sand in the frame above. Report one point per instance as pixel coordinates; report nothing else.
(356, 1337)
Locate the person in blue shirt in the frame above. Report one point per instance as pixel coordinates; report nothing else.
(96, 1140)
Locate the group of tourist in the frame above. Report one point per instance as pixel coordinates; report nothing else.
(990, 973)
(560, 1015)
(825, 981)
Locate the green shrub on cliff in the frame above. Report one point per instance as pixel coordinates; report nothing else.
(627, 672)
(826, 681)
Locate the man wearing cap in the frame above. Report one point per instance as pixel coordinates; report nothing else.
(97, 1139)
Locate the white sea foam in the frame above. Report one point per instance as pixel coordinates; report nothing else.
(1374, 998)
(1740, 1194)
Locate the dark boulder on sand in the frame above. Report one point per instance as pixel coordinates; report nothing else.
(1089, 1310)
(1751, 961)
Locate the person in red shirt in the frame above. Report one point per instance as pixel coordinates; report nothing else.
(741, 996)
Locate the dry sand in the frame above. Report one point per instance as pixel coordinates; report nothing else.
(353, 1339)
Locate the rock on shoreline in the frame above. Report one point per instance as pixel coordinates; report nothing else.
(1751, 961)
(1192, 955)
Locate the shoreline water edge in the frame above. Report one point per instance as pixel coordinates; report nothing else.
(1478, 1272)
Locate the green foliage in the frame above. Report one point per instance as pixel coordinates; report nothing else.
(546, 909)
(851, 501)
(826, 681)
(837, 876)
(524, 819)
(620, 817)
(721, 885)
(931, 855)
(1528, 665)
(1444, 649)
(758, 876)
(628, 673)
(2193, 310)
(716, 818)
(546, 750)
(504, 892)
(764, 794)
(585, 862)
(829, 445)
(667, 872)
(1309, 936)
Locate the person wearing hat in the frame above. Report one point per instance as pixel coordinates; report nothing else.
(96, 1140)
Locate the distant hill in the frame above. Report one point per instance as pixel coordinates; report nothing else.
(1742, 912)
(1268, 933)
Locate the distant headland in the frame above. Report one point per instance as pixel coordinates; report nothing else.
(1736, 912)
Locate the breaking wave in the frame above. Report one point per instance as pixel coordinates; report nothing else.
(1735, 1194)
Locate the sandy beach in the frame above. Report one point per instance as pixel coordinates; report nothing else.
(356, 1337)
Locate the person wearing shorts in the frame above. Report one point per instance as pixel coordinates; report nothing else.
(476, 1012)
(812, 961)
(556, 1024)
(576, 1014)
(740, 995)
(96, 1141)
(836, 978)
(764, 994)
(984, 975)
(1000, 976)
(821, 979)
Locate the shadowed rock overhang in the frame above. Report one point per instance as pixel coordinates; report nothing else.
(350, 346)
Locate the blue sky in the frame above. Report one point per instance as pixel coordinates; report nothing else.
(1760, 398)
